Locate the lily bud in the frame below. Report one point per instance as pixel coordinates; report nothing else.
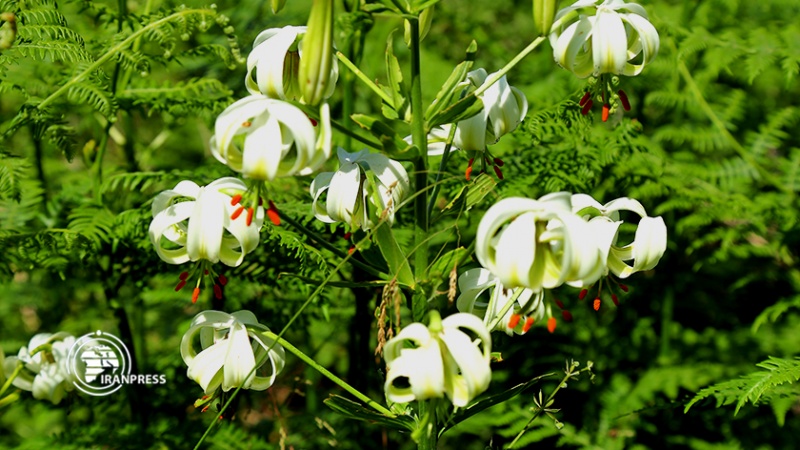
(425, 19)
(317, 49)
(277, 5)
(544, 11)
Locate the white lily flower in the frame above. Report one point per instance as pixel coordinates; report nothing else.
(609, 36)
(504, 107)
(273, 65)
(649, 243)
(45, 374)
(202, 228)
(537, 243)
(255, 134)
(352, 197)
(230, 350)
(528, 308)
(444, 360)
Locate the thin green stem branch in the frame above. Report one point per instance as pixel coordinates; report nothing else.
(419, 139)
(365, 79)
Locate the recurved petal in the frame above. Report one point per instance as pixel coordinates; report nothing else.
(343, 194)
(492, 221)
(164, 225)
(472, 284)
(206, 367)
(516, 251)
(475, 374)
(267, 59)
(205, 227)
(609, 43)
(239, 359)
(319, 186)
(648, 40)
(416, 333)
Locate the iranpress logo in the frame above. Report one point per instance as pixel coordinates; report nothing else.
(100, 364)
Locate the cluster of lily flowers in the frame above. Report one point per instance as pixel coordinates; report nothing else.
(526, 247)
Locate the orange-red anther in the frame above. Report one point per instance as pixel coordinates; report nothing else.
(236, 199)
(605, 113)
(615, 299)
(272, 213)
(469, 168)
(205, 408)
(582, 294)
(250, 212)
(499, 162)
(551, 324)
(585, 98)
(566, 315)
(347, 236)
(587, 107)
(560, 304)
(351, 250)
(223, 280)
(596, 304)
(514, 320)
(623, 287)
(180, 285)
(195, 294)
(218, 292)
(498, 172)
(183, 276)
(623, 97)
(247, 124)
(237, 213)
(528, 324)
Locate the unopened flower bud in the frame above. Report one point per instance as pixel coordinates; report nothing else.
(544, 11)
(317, 60)
(277, 5)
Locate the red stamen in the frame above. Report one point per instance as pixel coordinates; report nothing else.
(585, 99)
(623, 97)
(236, 199)
(583, 293)
(623, 287)
(498, 172)
(183, 276)
(514, 320)
(347, 236)
(195, 294)
(218, 292)
(250, 212)
(223, 280)
(205, 272)
(605, 113)
(560, 304)
(528, 324)
(566, 315)
(180, 285)
(313, 122)
(272, 213)
(469, 168)
(596, 304)
(205, 408)
(551, 324)
(237, 213)
(615, 299)
(499, 162)
(351, 250)
(587, 107)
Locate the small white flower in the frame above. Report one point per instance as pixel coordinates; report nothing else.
(356, 198)
(649, 243)
(230, 350)
(443, 360)
(273, 65)
(613, 37)
(46, 373)
(528, 308)
(262, 138)
(537, 243)
(202, 228)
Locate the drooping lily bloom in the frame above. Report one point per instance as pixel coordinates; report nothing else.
(202, 228)
(274, 64)
(609, 36)
(527, 308)
(45, 373)
(263, 138)
(444, 360)
(366, 187)
(504, 107)
(537, 243)
(649, 243)
(229, 351)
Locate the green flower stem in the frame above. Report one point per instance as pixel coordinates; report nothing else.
(314, 114)
(10, 379)
(442, 165)
(365, 79)
(339, 252)
(508, 306)
(521, 55)
(419, 138)
(326, 373)
(427, 439)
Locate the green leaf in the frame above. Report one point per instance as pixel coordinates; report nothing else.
(355, 410)
(462, 109)
(398, 263)
(442, 267)
(469, 195)
(448, 90)
(394, 75)
(394, 146)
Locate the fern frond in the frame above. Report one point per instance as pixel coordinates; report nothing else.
(12, 172)
(53, 51)
(95, 93)
(773, 312)
(94, 222)
(751, 387)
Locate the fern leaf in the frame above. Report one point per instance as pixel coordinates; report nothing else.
(53, 51)
(12, 171)
(95, 94)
